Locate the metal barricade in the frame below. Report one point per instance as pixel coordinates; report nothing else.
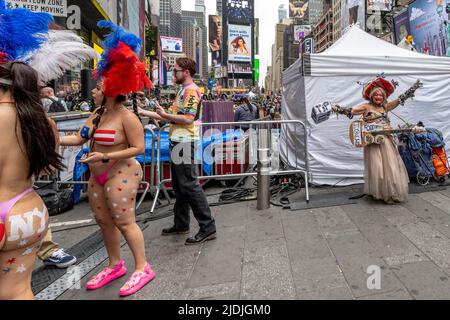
(263, 131)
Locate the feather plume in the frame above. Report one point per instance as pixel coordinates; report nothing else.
(125, 73)
(63, 51)
(21, 31)
(117, 35)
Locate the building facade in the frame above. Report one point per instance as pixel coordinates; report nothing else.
(323, 31)
(195, 40)
(337, 31)
(282, 13)
(170, 18)
(219, 7)
(316, 10)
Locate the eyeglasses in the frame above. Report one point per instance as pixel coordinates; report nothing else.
(177, 70)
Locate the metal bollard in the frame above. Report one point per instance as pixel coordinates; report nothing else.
(263, 195)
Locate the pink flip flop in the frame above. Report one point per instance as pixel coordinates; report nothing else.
(106, 276)
(137, 281)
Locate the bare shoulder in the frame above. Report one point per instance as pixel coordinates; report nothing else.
(128, 115)
(8, 116)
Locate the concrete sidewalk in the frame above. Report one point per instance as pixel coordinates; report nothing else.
(311, 254)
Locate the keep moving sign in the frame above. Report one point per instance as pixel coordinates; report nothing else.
(57, 8)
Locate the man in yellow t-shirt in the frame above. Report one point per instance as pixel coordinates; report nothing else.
(182, 115)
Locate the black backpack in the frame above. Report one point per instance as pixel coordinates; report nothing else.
(57, 202)
(56, 106)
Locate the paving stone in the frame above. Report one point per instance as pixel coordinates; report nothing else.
(438, 200)
(424, 280)
(394, 295)
(266, 275)
(388, 242)
(172, 275)
(334, 221)
(304, 238)
(430, 214)
(355, 255)
(263, 227)
(342, 293)
(220, 260)
(316, 274)
(433, 243)
(221, 291)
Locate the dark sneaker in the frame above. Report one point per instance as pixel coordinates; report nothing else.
(201, 237)
(60, 259)
(173, 231)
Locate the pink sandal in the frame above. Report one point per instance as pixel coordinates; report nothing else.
(137, 281)
(106, 276)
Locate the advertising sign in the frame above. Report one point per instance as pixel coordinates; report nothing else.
(239, 43)
(353, 12)
(235, 68)
(216, 58)
(401, 26)
(240, 11)
(57, 8)
(256, 69)
(300, 32)
(379, 5)
(215, 33)
(169, 44)
(308, 45)
(428, 22)
(298, 9)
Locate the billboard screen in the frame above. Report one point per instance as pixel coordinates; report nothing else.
(298, 9)
(427, 21)
(353, 12)
(216, 58)
(240, 11)
(169, 44)
(300, 32)
(379, 5)
(401, 26)
(215, 33)
(239, 43)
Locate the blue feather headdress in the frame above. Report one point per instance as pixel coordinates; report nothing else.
(21, 31)
(25, 37)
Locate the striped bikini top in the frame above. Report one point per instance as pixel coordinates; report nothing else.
(105, 137)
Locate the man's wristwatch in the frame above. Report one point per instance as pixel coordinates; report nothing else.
(105, 158)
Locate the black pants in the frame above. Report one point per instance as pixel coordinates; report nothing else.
(188, 192)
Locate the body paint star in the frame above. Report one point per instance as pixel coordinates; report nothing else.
(6, 270)
(23, 242)
(11, 261)
(27, 252)
(21, 269)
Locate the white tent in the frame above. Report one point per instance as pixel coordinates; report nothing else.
(333, 76)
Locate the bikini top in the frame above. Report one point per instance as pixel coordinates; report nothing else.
(105, 137)
(101, 137)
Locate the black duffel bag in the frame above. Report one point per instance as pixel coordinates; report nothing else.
(57, 202)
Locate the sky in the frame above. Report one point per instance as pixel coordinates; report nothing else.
(267, 12)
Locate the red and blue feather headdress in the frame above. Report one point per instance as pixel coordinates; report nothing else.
(120, 68)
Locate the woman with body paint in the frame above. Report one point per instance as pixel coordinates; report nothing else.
(29, 139)
(116, 136)
(30, 143)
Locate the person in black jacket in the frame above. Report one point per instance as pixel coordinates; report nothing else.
(245, 112)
